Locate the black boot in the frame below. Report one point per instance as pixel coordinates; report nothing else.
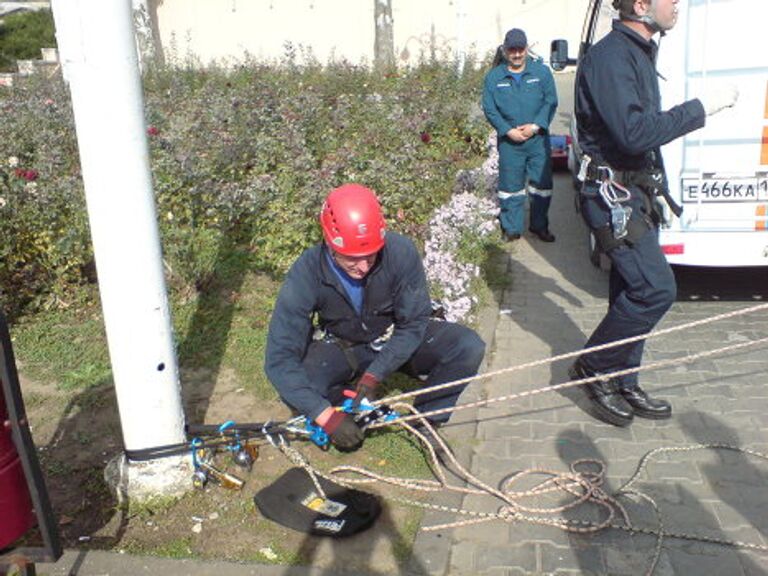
(429, 436)
(608, 403)
(544, 234)
(645, 406)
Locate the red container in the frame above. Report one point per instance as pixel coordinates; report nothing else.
(16, 512)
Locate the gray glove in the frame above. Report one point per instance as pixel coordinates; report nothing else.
(719, 98)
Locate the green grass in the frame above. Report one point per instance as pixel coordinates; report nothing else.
(55, 467)
(64, 347)
(395, 453)
(402, 546)
(148, 508)
(493, 268)
(225, 326)
(178, 548)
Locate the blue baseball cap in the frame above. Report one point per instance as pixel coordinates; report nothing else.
(515, 38)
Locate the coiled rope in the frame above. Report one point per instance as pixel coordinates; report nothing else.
(583, 483)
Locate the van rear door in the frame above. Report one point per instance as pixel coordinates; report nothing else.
(720, 172)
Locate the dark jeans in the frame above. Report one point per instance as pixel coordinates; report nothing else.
(448, 352)
(642, 288)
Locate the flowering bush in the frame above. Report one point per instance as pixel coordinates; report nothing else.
(241, 159)
(458, 233)
(485, 179)
(45, 246)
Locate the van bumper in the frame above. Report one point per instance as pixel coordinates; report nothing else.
(716, 249)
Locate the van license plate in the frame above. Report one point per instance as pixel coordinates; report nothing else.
(707, 190)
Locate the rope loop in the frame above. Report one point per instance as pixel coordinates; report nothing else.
(583, 483)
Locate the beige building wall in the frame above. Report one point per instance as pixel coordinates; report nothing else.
(228, 30)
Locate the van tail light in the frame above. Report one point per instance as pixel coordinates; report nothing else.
(673, 248)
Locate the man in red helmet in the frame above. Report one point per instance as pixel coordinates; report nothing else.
(354, 309)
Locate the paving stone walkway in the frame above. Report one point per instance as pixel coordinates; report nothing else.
(554, 301)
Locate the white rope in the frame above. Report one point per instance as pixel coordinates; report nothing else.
(572, 383)
(584, 487)
(552, 359)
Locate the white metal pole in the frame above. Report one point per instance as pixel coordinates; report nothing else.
(98, 53)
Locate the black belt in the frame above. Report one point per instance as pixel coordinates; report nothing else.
(640, 178)
(598, 173)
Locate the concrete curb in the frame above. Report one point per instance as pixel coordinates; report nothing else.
(102, 563)
(431, 553)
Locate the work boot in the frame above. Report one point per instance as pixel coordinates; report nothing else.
(510, 236)
(430, 437)
(607, 401)
(645, 406)
(544, 234)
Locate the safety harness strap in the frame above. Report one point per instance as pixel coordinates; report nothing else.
(651, 181)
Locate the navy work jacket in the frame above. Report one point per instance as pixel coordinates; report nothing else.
(395, 294)
(508, 104)
(618, 105)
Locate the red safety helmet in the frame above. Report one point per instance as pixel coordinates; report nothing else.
(352, 221)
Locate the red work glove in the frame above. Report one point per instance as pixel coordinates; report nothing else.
(345, 434)
(366, 389)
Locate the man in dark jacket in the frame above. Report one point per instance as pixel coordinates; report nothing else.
(356, 308)
(519, 100)
(621, 128)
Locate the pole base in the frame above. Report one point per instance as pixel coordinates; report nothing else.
(141, 481)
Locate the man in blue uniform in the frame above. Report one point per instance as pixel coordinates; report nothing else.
(621, 127)
(519, 100)
(356, 308)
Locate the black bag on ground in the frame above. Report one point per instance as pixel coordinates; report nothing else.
(293, 501)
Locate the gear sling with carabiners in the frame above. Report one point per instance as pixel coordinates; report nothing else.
(613, 189)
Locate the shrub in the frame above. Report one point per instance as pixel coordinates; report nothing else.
(45, 246)
(22, 35)
(241, 158)
(459, 234)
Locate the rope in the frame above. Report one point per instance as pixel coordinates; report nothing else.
(551, 359)
(557, 387)
(582, 485)
(298, 459)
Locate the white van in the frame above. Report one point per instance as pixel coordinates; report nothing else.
(718, 174)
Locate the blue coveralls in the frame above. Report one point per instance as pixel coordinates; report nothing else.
(509, 103)
(621, 125)
(310, 374)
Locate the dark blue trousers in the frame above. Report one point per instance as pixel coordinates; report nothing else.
(448, 352)
(642, 288)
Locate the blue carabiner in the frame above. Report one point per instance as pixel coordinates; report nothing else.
(364, 406)
(195, 445)
(235, 445)
(226, 426)
(317, 434)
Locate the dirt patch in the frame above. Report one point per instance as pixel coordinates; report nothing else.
(77, 434)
